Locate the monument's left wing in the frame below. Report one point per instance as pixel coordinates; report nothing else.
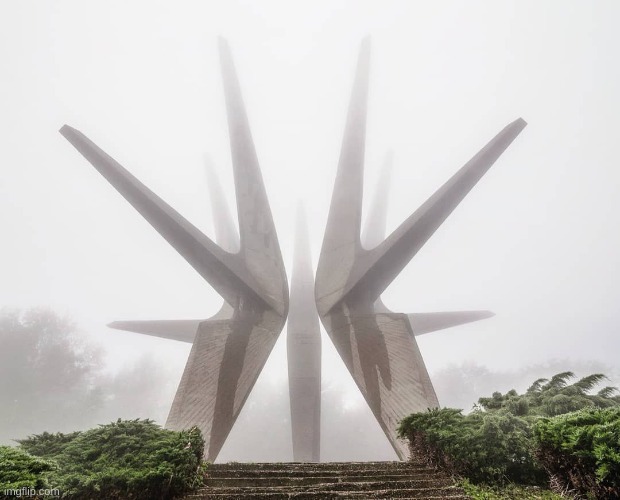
(230, 349)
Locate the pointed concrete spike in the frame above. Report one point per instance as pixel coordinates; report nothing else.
(304, 352)
(374, 230)
(258, 239)
(380, 266)
(226, 235)
(221, 270)
(422, 323)
(341, 243)
(183, 330)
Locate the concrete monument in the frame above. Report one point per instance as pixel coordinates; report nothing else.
(377, 345)
(229, 350)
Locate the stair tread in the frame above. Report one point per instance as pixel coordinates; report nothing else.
(328, 480)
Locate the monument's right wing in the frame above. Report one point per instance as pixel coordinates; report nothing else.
(378, 346)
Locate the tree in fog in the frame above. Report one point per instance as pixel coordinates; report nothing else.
(48, 374)
(52, 379)
(460, 386)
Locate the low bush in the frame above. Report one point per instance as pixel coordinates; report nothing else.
(555, 430)
(131, 459)
(581, 451)
(484, 447)
(19, 469)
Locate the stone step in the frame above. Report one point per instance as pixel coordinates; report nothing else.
(246, 473)
(335, 486)
(417, 494)
(330, 480)
(310, 465)
(290, 480)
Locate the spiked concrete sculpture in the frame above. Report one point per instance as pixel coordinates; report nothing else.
(230, 349)
(378, 346)
(304, 353)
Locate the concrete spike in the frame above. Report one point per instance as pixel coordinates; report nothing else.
(374, 229)
(304, 352)
(183, 330)
(258, 240)
(380, 266)
(342, 232)
(422, 323)
(226, 235)
(223, 271)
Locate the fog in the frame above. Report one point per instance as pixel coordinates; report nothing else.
(536, 241)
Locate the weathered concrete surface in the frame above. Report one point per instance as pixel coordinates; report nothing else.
(304, 352)
(377, 345)
(230, 349)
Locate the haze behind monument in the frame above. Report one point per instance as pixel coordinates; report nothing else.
(536, 241)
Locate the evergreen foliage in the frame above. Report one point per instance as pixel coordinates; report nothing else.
(130, 459)
(491, 447)
(520, 437)
(553, 397)
(581, 450)
(19, 469)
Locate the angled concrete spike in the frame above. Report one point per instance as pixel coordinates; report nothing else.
(342, 232)
(230, 349)
(304, 352)
(382, 264)
(226, 235)
(183, 330)
(373, 236)
(422, 323)
(223, 271)
(374, 229)
(256, 229)
(378, 346)
(227, 238)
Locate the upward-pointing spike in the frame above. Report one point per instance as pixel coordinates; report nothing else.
(345, 213)
(374, 230)
(342, 232)
(304, 352)
(226, 234)
(380, 266)
(221, 270)
(257, 233)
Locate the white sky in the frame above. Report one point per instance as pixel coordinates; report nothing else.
(537, 240)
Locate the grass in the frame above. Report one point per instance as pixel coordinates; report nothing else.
(508, 492)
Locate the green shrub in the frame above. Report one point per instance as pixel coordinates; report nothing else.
(581, 450)
(495, 443)
(484, 447)
(19, 469)
(555, 396)
(133, 459)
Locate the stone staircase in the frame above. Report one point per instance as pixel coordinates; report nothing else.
(326, 480)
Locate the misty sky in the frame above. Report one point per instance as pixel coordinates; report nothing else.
(537, 241)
